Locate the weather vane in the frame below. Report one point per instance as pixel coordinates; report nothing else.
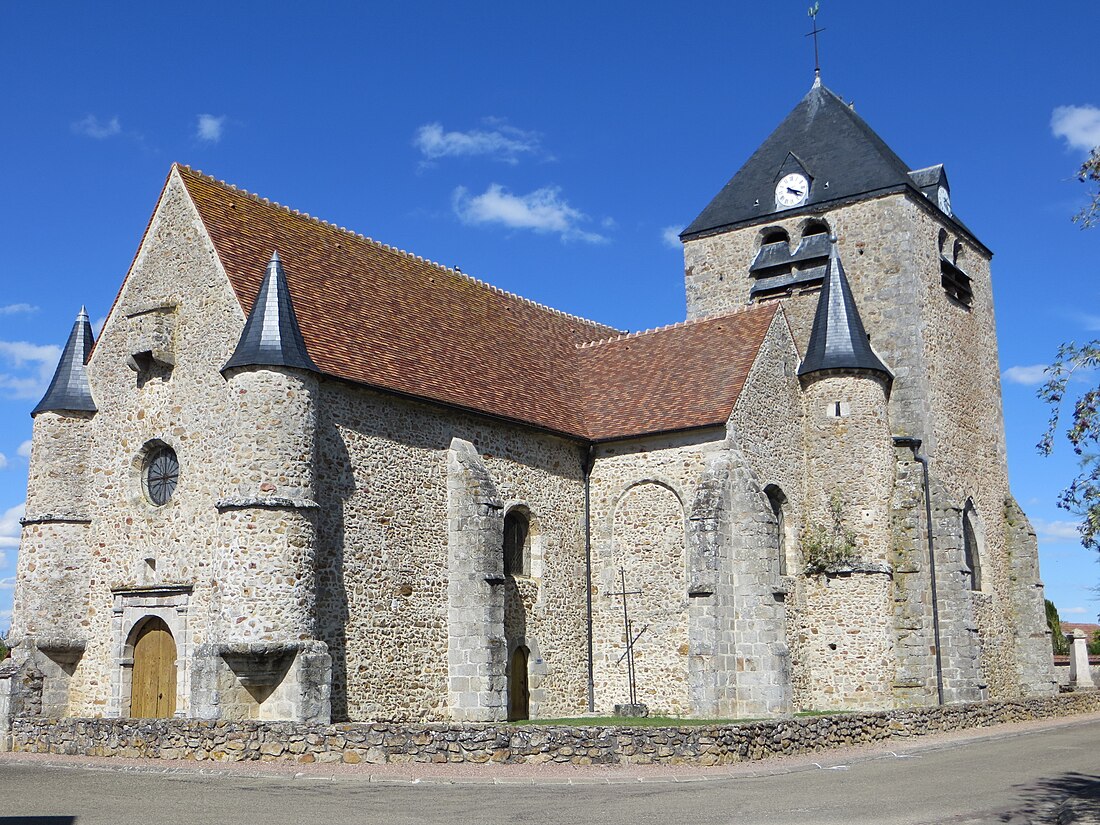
(813, 10)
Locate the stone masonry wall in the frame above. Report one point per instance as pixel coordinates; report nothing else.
(194, 740)
(130, 543)
(383, 543)
(843, 629)
(944, 357)
(381, 525)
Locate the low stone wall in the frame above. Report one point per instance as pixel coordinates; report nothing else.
(402, 743)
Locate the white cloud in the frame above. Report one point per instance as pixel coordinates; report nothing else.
(10, 528)
(1029, 376)
(24, 450)
(543, 211)
(210, 128)
(1052, 532)
(12, 309)
(670, 237)
(505, 143)
(3, 462)
(1074, 611)
(8, 583)
(91, 126)
(30, 368)
(1079, 125)
(97, 326)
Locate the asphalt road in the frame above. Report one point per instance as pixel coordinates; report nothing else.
(1047, 776)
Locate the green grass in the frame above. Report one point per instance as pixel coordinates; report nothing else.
(633, 721)
(658, 721)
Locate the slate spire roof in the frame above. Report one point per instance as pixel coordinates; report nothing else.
(69, 390)
(841, 154)
(271, 336)
(838, 340)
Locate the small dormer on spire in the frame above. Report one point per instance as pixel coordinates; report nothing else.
(838, 340)
(272, 337)
(69, 390)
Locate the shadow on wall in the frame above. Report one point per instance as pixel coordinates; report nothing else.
(1069, 797)
(37, 820)
(335, 485)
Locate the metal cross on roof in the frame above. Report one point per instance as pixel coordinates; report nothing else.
(812, 12)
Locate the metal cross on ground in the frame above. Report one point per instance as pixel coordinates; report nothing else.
(631, 637)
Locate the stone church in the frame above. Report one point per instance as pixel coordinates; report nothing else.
(304, 475)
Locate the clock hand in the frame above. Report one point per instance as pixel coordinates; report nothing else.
(794, 191)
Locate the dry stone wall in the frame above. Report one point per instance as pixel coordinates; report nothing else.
(381, 743)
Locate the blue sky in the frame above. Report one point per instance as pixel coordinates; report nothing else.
(550, 149)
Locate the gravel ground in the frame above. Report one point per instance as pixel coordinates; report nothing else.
(548, 773)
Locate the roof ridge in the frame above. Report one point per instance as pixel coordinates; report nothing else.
(387, 247)
(685, 323)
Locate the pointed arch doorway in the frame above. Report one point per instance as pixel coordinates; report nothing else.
(153, 690)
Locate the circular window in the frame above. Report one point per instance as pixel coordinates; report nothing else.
(162, 470)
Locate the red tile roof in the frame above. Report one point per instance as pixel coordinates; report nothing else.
(379, 316)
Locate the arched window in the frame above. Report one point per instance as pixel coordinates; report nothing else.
(815, 227)
(971, 550)
(517, 540)
(777, 501)
(774, 235)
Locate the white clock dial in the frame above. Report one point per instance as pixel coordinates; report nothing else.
(792, 190)
(944, 200)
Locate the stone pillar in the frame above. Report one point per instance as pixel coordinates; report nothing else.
(1079, 674)
(476, 647)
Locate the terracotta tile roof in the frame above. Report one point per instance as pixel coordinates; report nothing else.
(673, 378)
(379, 316)
(1088, 628)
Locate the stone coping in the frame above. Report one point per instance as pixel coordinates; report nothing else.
(404, 743)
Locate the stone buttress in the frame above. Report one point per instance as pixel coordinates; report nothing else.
(50, 627)
(263, 659)
(476, 645)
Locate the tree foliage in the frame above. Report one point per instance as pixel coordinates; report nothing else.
(1090, 173)
(1082, 496)
(1057, 637)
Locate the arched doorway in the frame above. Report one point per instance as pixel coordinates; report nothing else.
(153, 689)
(518, 693)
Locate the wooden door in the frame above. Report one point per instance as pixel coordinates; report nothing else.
(153, 691)
(518, 694)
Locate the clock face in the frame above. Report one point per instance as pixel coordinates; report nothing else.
(792, 190)
(944, 200)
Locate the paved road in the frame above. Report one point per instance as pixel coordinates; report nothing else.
(1047, 776)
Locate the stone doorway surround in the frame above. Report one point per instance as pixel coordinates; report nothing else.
(168, 603)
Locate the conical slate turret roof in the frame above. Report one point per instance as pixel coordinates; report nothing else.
(271, 336)
(841, 155)
(838, 340)
(69, 390)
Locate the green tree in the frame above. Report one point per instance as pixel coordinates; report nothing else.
(1090, 173)
(1057, 636)
(1082, 496)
